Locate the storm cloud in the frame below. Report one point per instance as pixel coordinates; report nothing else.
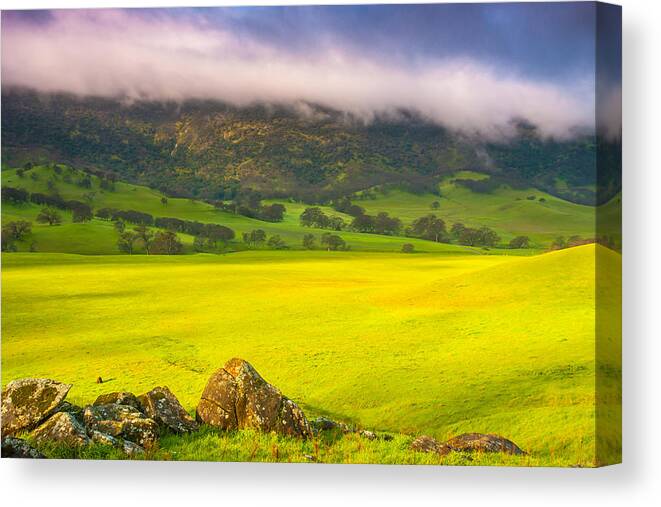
(117, 53)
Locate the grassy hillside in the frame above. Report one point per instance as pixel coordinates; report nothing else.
(409, 344)
(508, 211)
(98, 237)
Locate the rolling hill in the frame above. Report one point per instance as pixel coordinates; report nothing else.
(473, 343)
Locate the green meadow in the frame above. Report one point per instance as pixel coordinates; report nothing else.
(405, 344)
(448, 340)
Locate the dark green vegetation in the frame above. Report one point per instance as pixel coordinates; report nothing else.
(213, 151)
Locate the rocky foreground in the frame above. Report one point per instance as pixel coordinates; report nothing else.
(235, 397)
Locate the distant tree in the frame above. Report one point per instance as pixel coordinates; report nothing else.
(119, 226)
(107, 184)
(15, 195)
(255, 237)
(363, 223)
(166, 243)
(487, 237)
(314, 217)
(520, 242)
(164, 201)
(17, 229)
(435, 205)
(105, 213)
(82, 214)
(335, 223)
(57, 169)
(199, 243)
(429, 227)
(146, 237)
(457, 229)
(126, 242)
(385, 224)
(273, 213)
(20, 173)
(333, 242)
(27, 166)
(276, 242)
(309, 241)
(407, 248)
(51, 184)
(49, 216)
(33, 246)
(12, 232)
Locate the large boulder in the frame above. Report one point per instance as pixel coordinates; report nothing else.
(18, 448)
(426, 443)
(119, 398)
(62, 427)
(27, 402)
(480, 442)
(236, 396)
(121, 421)
(164, 408)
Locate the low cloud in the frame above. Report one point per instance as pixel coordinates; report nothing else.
(116, 54)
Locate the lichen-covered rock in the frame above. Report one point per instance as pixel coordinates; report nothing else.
(74, 410)
(324, 424)
(29, 401)
(236, 396)
(119, 398)
(128, 447)
(19, 448)
(369, 435)
(62, 427)
(164, 408)
(121, 421)
(480, 442)
(426, 443)
(217, 405)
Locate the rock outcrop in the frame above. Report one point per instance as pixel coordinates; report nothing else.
(29, 401)
(237, 397)
(164, 408)
(19, 448)
(64, 428)
(480, 442)
(467, 442)
(119, 398)
(426, 443)
(121, 421)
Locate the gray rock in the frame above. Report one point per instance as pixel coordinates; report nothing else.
(29, 401)
(120, 398)
(426, 443)
(369, 435)
(121, 421)
(164, 408)
(62, 427)
(480, 442)
(19, 448)
(236, 396)
(128, 447)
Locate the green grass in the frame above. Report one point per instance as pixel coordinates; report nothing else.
(408, 344)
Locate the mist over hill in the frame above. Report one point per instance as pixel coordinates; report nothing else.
(212, 150)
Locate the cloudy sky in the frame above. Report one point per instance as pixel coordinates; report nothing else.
(471, 67)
